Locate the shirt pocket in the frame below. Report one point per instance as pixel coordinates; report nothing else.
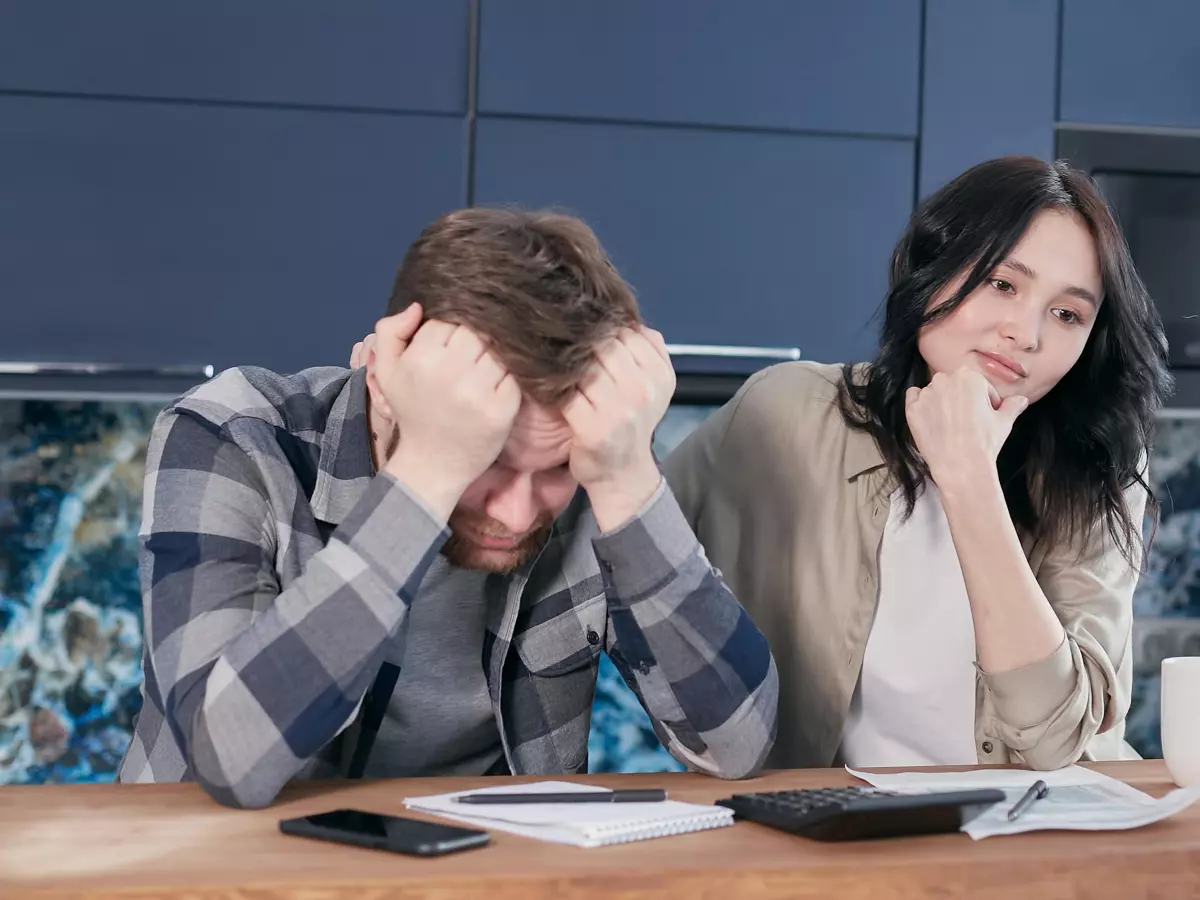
(566, 642)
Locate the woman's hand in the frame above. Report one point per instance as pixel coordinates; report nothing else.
(959, 424)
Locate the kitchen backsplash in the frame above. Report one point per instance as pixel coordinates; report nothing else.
(70, 610)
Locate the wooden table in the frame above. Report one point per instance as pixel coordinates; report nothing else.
(143, 841)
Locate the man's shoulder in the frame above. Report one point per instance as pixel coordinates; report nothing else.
(299, 403)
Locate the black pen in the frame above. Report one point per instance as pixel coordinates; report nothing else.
(647, 796)
(1037, 791)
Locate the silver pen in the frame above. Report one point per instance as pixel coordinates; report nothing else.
(1037, 791)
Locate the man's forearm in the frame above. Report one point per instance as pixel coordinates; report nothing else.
(291, 677)
(701, 667)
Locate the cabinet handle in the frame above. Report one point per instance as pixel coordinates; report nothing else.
(121, 369)
(791, 353)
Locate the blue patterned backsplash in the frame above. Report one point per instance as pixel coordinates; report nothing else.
(70, 613)
(1169, 590)
(70, 610)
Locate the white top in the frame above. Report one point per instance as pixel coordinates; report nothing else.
(914, 704)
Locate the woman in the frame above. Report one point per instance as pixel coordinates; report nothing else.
(942, 544)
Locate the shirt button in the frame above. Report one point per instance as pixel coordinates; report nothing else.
(644, 668)
(850, 660)
(987, 746)
(593, 638)
(606, 565)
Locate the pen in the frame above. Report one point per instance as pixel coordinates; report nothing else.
(1037, 791)
(648, 796)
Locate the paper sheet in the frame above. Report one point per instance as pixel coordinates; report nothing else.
(1079, 800)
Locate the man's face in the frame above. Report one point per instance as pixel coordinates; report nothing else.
(504, 516)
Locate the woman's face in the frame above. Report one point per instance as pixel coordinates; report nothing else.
(1027, 324)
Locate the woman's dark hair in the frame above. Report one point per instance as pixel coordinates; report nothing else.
(1071, 454)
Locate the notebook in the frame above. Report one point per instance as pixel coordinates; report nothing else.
(580, 824)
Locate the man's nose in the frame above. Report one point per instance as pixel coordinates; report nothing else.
(512, 504)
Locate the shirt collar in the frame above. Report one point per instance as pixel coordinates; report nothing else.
(862, 453)
(345, 468)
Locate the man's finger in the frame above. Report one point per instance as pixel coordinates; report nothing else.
(464, 340)
(642, 347)
(616, 358)
(594, 374)
(600, 387)
(579, 413)
(658, 342)
(433, 333)
(401, 326)
(489, 370)
(408, 320)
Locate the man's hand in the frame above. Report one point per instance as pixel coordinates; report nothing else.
(401, 328)
(959, 424)
(361, 351)
(613, 414)
(453, 402)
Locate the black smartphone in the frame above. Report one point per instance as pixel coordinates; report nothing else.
(380, 832)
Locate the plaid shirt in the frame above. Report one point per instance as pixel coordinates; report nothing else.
(277, 571)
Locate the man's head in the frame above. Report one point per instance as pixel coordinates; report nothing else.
(541, 291)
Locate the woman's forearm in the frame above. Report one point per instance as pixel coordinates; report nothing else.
(1014, 622)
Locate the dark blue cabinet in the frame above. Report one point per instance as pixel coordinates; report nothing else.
(393, 54)
(849, 66)
(1131, 63)
(988, 86)
(729, 237)
(164, 234)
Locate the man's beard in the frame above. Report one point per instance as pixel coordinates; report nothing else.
(462, 552)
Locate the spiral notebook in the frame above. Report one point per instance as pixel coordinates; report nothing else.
(580, 824)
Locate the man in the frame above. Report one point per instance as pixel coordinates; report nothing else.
(411, 569)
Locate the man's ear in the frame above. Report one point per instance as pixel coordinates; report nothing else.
(380, 409)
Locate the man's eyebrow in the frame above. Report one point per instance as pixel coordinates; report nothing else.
(1073, 290)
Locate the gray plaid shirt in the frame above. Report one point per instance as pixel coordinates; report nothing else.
(277, 571)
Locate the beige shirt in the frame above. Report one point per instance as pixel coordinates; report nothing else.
(791, 505)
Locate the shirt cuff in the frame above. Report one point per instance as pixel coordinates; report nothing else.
(647, 551)
(394, 533)
(1028, 696)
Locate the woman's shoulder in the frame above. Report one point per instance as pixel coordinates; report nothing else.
(793, 390)
(789, 410)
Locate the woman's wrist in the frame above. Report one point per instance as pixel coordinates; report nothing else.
(966, 480)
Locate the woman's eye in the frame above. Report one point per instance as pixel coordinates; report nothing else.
(1001, 285)
(1069, 316)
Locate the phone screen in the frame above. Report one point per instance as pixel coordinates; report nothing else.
(389, 832)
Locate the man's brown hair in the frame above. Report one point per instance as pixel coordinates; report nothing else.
(537, 285)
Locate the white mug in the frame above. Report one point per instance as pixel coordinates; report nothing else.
(1181, 718)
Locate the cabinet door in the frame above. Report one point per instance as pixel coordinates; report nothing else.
(379, 54)
(729, 237)
(989, 84)
(1127, 63)
(849, 66)
(166, 234)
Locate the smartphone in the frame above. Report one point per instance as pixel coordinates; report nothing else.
(380, 832)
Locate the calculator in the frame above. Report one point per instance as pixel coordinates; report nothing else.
(857, 813)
